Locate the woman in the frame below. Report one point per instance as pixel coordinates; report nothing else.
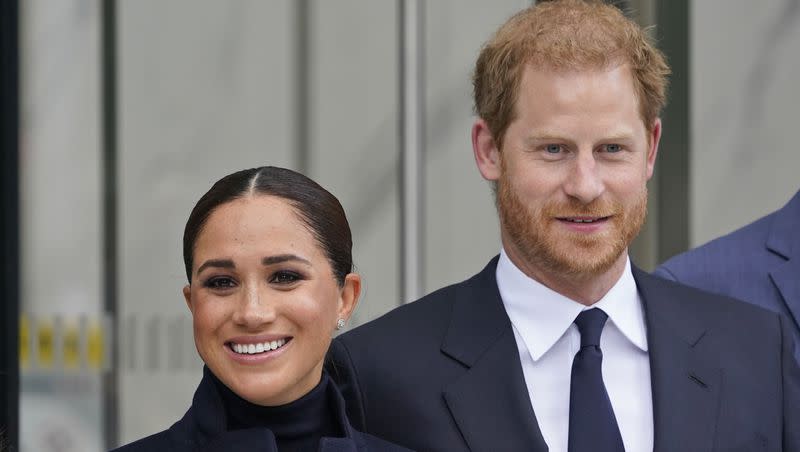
(268, 258)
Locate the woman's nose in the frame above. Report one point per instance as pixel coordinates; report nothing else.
(254, 309)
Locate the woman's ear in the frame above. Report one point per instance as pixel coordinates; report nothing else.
(349, 295)
(187, 295)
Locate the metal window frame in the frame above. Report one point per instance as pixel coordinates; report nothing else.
(673, 183)
(412, 147)
(110, 196)
(9, 225)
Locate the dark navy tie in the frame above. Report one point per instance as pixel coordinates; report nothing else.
(592, 425)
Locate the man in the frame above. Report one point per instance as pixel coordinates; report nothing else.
(559, 343)
(759, 263)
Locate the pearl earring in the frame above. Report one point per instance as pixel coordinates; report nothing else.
(340, 324)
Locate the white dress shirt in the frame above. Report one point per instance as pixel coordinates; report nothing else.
(548, 341)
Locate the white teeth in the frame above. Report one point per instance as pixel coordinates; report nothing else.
(578, 220)
(250, 349)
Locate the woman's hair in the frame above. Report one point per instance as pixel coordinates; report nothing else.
(315, 206)
(565, 35)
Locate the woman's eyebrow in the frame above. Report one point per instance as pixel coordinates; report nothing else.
(280, 258)
(217, 263)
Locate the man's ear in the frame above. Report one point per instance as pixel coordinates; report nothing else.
(655, 138)
(187, 295)
(348, 296)
(484, 147)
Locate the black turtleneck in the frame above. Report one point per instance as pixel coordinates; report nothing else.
(297, 426)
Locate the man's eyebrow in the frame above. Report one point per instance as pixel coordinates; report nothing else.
(216, 263)
(618, 136)
(550, 136)
(280, 258)
(545, 136)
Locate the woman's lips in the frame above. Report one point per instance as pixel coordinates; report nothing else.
(257, 349)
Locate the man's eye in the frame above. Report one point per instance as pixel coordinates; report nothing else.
(612, 148)
(220, 282)
(553, 148)
(285, 277)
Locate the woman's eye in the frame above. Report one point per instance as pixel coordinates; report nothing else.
(612, 148)
(553, 148)
(284, 277)
(220, 282)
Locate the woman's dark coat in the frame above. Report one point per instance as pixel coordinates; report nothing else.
(203, 428)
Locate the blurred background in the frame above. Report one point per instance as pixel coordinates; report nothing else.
(118, 115)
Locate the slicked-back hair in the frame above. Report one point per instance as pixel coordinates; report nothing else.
(316, 207)
(564, 35)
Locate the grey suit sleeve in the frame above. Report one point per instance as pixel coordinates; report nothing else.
(791, 391)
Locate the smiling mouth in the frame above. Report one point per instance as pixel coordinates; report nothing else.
(261, 347)
(582, 220)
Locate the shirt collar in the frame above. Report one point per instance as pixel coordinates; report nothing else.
(541, 315)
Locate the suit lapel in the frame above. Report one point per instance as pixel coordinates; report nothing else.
(489, 402)
(686, 384)
(784, 240)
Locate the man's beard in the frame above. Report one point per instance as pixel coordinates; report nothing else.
(542, 243)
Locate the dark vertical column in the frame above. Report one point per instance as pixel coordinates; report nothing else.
(108, 121)
(672, 25)
(9, 224)
(302, 77)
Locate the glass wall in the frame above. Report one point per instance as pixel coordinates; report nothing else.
(62, 352)
(204, 88)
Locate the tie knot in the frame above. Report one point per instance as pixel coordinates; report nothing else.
(590, 324)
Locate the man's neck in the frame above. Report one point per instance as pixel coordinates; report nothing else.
(586, 289)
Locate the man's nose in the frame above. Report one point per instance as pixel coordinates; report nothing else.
(254, 308)
(584, 181)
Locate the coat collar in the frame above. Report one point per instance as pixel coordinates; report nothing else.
(480, 337)
(204, 425)
(685, 381)
(784, 240)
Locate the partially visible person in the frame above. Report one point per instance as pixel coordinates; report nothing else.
(268, 259)
(759, 263)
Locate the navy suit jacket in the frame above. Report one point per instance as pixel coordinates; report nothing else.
(759, 263)
(443, 373)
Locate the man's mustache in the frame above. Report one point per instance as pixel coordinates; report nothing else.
(596, 209)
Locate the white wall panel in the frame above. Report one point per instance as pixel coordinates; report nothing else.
(354, 135)
(204, 90)
(461, 225)
(744, 71)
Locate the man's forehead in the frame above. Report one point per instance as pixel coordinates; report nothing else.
(532, 69)
(547, 64)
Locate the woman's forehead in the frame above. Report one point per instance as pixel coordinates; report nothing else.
(259, 223)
